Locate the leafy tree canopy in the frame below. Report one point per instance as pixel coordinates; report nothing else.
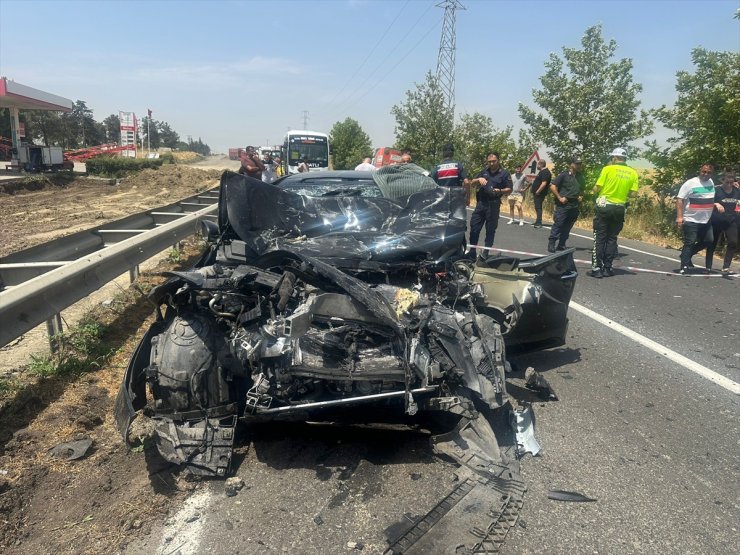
(112, 128)
(588, 103)
(168, 137)
(475, 137)
(423, 122)
(705, 119)
(349, 143)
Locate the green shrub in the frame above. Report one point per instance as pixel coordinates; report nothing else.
(167, 158)
(120, 167)
(81, 349)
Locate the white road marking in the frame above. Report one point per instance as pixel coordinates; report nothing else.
(183, 531)
(621, 246)
(689, 364)
(618, 267)
(591, 238)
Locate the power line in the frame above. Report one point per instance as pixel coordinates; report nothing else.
(399, 62)
(359, 67)
(347, 101)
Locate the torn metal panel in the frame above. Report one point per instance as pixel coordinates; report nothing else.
(524, 425)
(473, 518)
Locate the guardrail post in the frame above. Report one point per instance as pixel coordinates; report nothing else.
(54, 328)
(133, 273)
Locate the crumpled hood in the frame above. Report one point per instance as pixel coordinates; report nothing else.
(342, 230)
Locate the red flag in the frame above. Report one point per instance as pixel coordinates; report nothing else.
(149, 112)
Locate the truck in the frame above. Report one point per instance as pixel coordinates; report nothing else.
(34, 158)
(385, 156)
(235, 153)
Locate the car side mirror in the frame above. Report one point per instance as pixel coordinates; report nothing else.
(209, 230)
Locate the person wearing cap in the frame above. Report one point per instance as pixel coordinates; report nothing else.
(449, 172)
(615, 185)
(568, 191)
(694, 206)
(494, 182)
(518, 190)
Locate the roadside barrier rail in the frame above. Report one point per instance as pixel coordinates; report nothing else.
(38, 283)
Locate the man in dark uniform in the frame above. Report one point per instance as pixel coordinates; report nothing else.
(495, 182)
(449, 172)
(568, 190)
(540, 188)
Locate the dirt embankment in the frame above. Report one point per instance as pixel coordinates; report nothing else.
(98, 503)
(42, 209)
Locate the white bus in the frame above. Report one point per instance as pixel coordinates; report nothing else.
(313, 145)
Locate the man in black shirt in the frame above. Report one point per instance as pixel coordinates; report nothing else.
(540, 188)
(568, 191)
(494, 182)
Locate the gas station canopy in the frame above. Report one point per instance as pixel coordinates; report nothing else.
(16, 97)
(22, 97)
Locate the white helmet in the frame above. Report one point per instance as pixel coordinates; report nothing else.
(619, 152)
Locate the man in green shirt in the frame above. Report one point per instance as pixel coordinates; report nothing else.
(615, 185)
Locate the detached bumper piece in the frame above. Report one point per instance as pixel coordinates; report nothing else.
(204, 444)
(473, 518)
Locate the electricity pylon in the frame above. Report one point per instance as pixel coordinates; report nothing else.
(446, 56)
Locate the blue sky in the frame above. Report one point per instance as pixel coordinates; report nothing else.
(242, 72)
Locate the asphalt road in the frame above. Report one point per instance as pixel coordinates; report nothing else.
(655, 443)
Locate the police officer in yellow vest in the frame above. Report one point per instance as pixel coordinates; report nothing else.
(615, 185)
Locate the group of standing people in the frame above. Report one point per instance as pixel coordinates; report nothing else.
(705, 213)
(266, 169)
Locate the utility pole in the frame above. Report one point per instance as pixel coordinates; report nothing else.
(446, 56)
(305, 119)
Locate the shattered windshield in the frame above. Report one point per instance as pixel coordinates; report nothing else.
(336, 186)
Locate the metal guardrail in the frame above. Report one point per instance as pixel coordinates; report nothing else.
(42, 289)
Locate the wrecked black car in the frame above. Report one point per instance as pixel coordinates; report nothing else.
(341, 306)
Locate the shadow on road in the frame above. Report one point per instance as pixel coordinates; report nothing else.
(546, 360)
(330, 448)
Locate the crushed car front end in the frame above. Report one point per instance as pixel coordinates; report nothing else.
(308, 308)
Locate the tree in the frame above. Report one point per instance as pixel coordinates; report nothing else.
(112, 126)
(150, 132)
(199, 147)
(589, 108)
(82, 129)
(45, 127)
(167, 136)
(423, 122)
(349, 143)
(475, 137)
(705, 118)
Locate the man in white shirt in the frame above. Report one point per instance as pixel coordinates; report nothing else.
(694, 206)
(366, 166)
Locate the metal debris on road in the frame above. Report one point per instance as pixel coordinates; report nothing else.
(574, 496)
(524, 429)
(537, 382)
